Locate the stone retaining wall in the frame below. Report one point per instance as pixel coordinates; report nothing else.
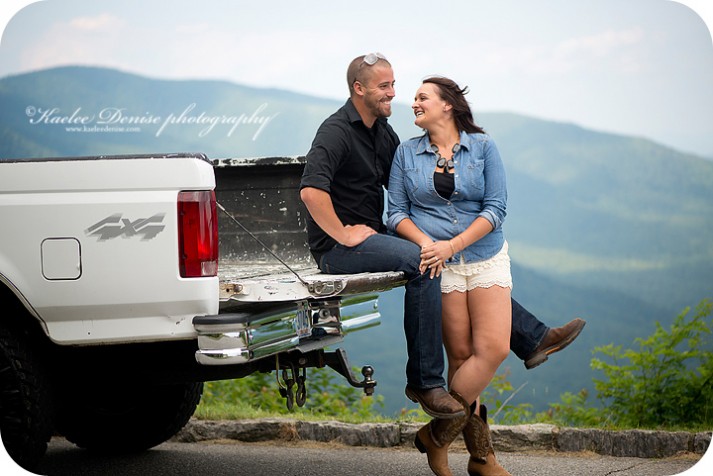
(632, 443)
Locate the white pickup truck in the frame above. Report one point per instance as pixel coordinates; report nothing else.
(128, 281)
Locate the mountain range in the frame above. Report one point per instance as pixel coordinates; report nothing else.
(615, 229)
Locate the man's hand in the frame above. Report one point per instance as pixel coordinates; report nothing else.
(320, 206)
(356, 234)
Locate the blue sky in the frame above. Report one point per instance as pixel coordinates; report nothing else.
(638, 67)
(634, 67)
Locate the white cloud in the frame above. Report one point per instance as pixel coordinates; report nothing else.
(80, 40)
(101, 22)
(571, 55)
(601, 44)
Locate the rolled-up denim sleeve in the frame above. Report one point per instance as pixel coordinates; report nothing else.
(496, 196)
(399, 203)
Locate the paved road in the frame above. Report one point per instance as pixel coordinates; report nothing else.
(317, 459)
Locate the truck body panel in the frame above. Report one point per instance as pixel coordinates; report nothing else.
(118, 223)
(103, 337)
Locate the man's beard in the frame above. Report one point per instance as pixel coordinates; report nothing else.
(380, 108)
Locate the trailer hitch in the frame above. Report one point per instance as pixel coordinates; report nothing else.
(293, 372)
(338, 361)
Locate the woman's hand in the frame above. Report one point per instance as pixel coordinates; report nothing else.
(434, 256)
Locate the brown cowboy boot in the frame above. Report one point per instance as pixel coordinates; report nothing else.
(555, 340)
(476, 435)
(435, 438)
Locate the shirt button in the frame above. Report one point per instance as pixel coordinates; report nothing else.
(455, 221)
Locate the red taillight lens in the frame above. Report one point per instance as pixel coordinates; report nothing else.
(197, 234)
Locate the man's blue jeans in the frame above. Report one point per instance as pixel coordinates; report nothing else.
(527, 331)
(422, 305)
(422, 301)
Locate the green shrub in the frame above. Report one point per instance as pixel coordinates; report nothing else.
(667, 382)
(573, 410)
(497, 396)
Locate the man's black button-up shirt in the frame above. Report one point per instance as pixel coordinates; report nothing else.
(351, 162)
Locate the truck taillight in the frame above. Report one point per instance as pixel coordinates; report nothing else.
(197, 234)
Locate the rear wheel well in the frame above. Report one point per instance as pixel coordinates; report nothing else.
(14, 315)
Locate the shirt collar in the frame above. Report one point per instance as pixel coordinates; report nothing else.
(353, 114)
(424, 144)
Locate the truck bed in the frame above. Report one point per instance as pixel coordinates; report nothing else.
(262, 194)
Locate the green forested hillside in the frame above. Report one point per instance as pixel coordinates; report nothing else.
(617, 230)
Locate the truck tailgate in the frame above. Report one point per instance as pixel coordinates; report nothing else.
(261, 283)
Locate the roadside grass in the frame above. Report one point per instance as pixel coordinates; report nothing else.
(257, 396)
(244, 411)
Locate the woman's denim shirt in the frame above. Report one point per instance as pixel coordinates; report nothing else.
(480, 190)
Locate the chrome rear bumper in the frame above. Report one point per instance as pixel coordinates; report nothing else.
(263, 329)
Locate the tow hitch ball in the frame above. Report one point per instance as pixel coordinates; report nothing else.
(293, 374)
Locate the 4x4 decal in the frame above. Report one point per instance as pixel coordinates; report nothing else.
(115, 226)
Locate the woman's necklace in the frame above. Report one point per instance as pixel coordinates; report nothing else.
(441, 162)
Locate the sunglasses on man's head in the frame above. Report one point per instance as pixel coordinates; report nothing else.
(372, 58)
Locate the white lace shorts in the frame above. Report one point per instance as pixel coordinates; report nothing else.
(464, 277)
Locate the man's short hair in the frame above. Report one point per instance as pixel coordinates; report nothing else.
(360, 66)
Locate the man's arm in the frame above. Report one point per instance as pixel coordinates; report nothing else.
(320, 207)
